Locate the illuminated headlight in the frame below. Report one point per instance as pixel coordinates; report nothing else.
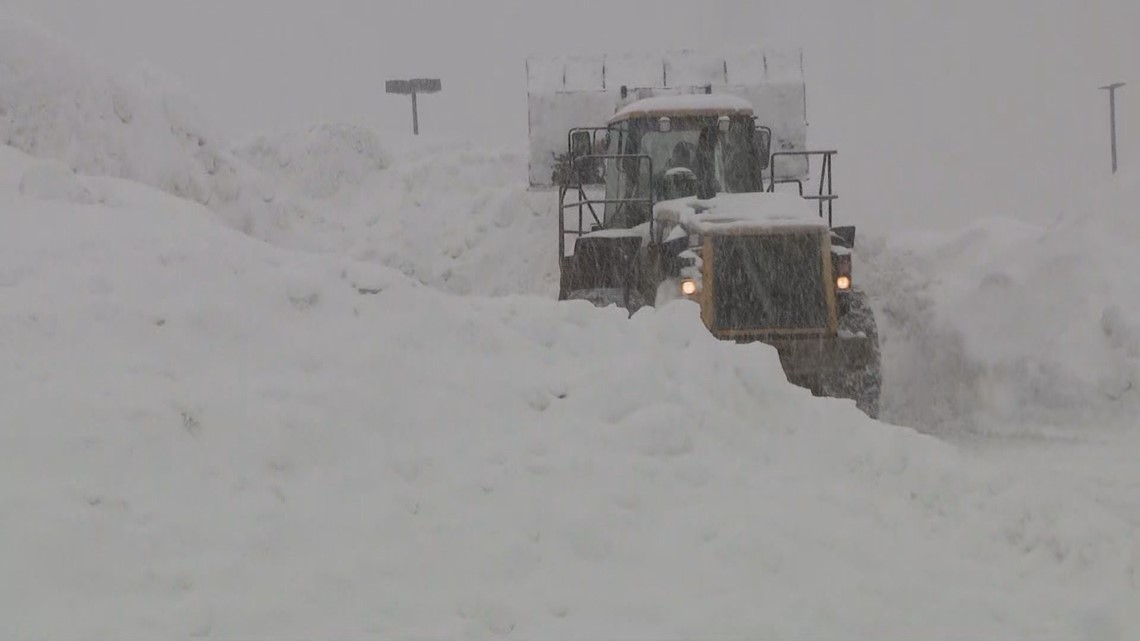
(843, 283)
(688, 287)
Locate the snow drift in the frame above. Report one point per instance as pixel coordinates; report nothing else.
(209, 436)
(1012, 323)
(322, 161)
(56, 104)
(51, 180)
(455, 217)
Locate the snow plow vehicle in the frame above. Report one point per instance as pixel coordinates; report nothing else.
(676, 197)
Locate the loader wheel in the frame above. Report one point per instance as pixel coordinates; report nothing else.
(860, 318)
(863, 380)
(628, 296)
(862, 385)
(866, 390)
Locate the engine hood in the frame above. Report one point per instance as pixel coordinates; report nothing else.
(740, 213)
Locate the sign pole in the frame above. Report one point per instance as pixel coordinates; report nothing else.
(1112, 117)
(413, 88)
(416, 125)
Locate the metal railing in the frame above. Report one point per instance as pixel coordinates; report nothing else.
(821, 197)
(586, 204)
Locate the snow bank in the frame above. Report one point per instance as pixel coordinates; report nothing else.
(58, 105)
(205, 435)
(456, 217)
(1011, 323)
(54, 181)
(321, 161)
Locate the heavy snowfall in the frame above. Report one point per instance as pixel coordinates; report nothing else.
(316, 383)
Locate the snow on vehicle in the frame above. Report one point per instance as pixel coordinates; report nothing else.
(669, 199)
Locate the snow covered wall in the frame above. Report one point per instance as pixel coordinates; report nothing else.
(577, 91)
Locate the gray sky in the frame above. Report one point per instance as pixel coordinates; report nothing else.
(940, 109)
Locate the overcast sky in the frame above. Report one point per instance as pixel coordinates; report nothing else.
(969, 106)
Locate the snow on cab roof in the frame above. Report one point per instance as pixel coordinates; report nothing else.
(689, 104)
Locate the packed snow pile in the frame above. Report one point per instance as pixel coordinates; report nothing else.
(52, 180)
(1008, 322)
(205, 435)
(457, 217)
(58, 105)
(321, 161)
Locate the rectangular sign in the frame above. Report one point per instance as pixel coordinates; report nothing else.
(415, 85)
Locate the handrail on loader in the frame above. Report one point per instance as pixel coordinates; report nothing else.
(584, 201)
(824, 179)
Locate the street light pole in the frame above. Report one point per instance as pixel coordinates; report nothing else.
(1112, 117)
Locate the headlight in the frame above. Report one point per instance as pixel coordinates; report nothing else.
(843, 283)
(688, 287)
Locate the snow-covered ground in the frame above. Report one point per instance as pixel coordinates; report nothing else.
(327, 392)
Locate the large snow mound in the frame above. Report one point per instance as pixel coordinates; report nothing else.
(51, 180)
(322, 161)
(205, 435)
(1008, 322)
(56, 104)
(458, 217)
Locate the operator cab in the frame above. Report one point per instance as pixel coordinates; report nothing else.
(697, 145)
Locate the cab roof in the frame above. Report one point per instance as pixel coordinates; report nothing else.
(685, 105)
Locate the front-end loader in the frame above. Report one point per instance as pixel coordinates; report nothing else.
(680, 195)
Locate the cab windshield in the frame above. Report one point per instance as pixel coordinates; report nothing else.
(720, 161)
(693, 158)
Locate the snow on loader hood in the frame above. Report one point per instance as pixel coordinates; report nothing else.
(735, 212)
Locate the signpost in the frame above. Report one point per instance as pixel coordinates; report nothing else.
(1112, 117)
(414, 87)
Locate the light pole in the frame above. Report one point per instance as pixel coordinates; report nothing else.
(1112, 117)
(413, 87)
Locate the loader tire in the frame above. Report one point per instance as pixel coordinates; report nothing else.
(862, 380)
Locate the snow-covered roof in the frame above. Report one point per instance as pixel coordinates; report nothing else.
(686, 105)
